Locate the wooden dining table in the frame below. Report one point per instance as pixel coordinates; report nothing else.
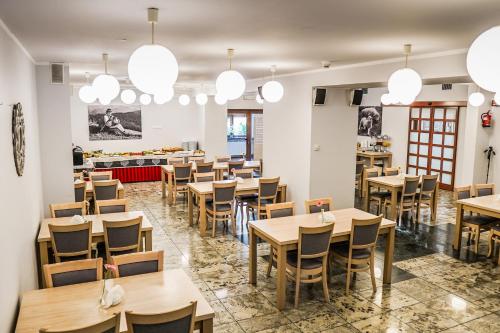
(44, 239)
(283, 234)
(488, 205)
(74, 306)
(204, 189)
(89, 189)
(371, 156)
(167, 175)
(394, 184)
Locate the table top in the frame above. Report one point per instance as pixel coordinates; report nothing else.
(250, 184)
(487, 202)
(217, 166)
(97, 229)
(393, 181)
(285, 230)
(374, 153)
(77, 305)
(89, 187)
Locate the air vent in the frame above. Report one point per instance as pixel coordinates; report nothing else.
(446, 86)
(57, 73)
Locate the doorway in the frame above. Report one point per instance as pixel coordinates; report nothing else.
(245, 133)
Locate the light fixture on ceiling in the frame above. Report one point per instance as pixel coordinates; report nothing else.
(128, 96)
(259, 99)
(219, 99)
(483, 63)
(201, 99)
(106, 86)
(164, 96)
(145, 99)
(152, 67)
(184, 100)
(272, 91)
(230, 84)
(86, 92)
(476, 99)
(388, 99)
(405, 84)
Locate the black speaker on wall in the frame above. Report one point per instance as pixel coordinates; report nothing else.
(259, 91)
(356, 97)
(319, 96)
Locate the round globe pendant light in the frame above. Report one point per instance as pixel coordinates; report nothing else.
(86, 92)
(164, 96)
(405, 84)
(387, 99)
(184, 100)
(128, 96)
(476, 99)
(201, 99)
(145, 99)
(106, 86)
(272, 91)
(483, 63)
(230, 84)
(259, 99)
(152, 67)
(219, 99)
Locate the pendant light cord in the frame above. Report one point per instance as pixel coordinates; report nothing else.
(152, 32)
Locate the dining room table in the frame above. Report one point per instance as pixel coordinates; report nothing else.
(283, 234)
(488, 205)
(167, 175)
(372, 156)
(202, 190)
(89, 189)
(44, 239)
(394, 184)
(75, 306)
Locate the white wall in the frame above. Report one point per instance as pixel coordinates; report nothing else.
(21, 197)
(214, 130)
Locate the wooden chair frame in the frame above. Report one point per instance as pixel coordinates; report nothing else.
(103, 183)
(222, 159)
(198, 175)
(82, 185)
(161, 318)
(358, 176)
(103, 326)
(427, 202)
(261, 211)
(360, 265)
(364, 183)
(70, 228)
(107, 203)
(377, 198)
(313, 202)
(406, 205)
(302, 275)
(100, 173)
(181, 188)
(131, 258)
(238, 172)
(121, 224)
(223, 216)
(175, 160)
(482, 187)
(392, 171)
(493, 239)
(70, 266)
(68, 205)
(196, 159)
(204, 164)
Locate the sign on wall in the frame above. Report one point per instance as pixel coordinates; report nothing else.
(370, 120)
(114, 122)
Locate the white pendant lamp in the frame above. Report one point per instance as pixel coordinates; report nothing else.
(219, 99)
(483, 62)
(164, 96)
(87, 93)
(184, 100)
(476, 99)
(259, 99)
(152, 67)
(201, 99)
(106, 86)
(272, 91)
(128, 96)
(405, 84)
(230, 84)
(387, 99)
(145, 99)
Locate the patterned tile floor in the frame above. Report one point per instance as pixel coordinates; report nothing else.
(431, 291)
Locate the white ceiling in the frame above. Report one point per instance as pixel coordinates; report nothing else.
(295, 35)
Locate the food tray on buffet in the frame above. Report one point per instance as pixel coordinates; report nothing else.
(126, 160)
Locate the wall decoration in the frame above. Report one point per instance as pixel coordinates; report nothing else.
(114, 122)
(370, 120)
(18, 142)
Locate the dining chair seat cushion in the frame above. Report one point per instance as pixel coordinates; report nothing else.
(342, 250)
(220, 207)
(479, 220)
(292, 260)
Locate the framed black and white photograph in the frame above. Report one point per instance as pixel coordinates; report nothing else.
(114, 122)
(370, 120)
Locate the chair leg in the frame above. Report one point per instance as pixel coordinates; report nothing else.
(469, 236)
(491, 246)
(270, 265)
(372, 271)
(325, 283)
(297, 288)
(348, 278)
(213, 226)
(248, 214)
(476, 245)
(233, 220)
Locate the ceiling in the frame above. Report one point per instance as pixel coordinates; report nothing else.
(295, 35)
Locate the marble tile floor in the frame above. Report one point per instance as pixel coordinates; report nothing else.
(432, 291)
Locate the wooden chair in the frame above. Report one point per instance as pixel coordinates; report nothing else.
(221, 159)
(309, 263)
(178, 321)
(71, 242)
(359, 174)
(100, 175)
(481, 190)
(197, 159)
(493, 239)
(282, 209)
(268, 189)
(221, 208)
(80, 191)
(406, 199)
(378, 196)
(204, 167)
(111, 325)
(243, 173)
(426, 193)
(77, 176)
(105, 189)
(175, 160)
(312, 205)
(138, 263)
(200, 177)
(122, 237)
(68, 209)
(182, 176)
(391, 171)
(359, 252)
(72, 272)
(233, 165)
(241, 200)
(111, 206)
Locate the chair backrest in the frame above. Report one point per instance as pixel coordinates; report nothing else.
(462, 192)
(175, 160)
(391, 171)
(77, 176)
(72, 272)
(410, 186)
(204, 167)
(111, 206)
(138, 263)
(243, 173)
(224, 192)
(200, 177)
(80, 191)
(481, 190)
(182, 172)
(364, 232)
(314, 242)
(196, 159)
(429, 183)
(178, 321)
(105, 189)
(221, 159)
(235, 165)
(100, 175)
(281, 209)
(371, 172)
(268, 188)
(72, 241)
(316, 205)
(68, 209)
(121, 237)
(359, 167)
(111, 325)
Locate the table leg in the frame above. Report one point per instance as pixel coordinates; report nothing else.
(44, 259)
(190, 206)
(252, 238)
(163, 185)
(389, 161)
(372, 161)
(367, 203)
(389, 254)
(121, 194)
(457, 241)
(281, 277)
(207, 326)
(170, 194)
(149, 240)
(203, 215)
(435, 202)
(394, 204)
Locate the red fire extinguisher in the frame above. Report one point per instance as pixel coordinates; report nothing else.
(486, 119)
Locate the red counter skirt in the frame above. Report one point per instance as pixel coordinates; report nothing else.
(135, 174)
